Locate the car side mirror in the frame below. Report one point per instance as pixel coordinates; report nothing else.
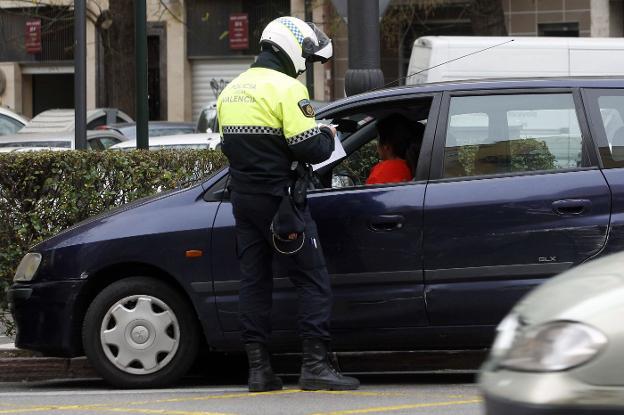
(342, 179)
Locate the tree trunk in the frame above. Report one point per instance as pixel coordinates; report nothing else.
(487, 18)
(118, 57)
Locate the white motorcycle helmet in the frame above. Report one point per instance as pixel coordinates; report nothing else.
(301, 41)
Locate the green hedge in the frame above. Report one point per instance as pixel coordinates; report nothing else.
(42, 193)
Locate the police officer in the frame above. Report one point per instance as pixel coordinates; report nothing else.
(267, 123)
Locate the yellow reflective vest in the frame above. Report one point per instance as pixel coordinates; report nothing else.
(266, 122)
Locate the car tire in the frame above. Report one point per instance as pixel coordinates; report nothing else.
(140, 332)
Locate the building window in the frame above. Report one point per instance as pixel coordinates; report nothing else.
(570, 29)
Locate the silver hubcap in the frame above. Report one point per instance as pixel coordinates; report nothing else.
(140, 334)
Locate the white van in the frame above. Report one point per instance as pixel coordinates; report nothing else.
(523, 57)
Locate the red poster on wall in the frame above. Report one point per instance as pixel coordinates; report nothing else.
(32, 39)
(239, 31)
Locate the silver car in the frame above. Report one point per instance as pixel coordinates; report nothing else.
(561, 348)
(10, 122)
(96, 140)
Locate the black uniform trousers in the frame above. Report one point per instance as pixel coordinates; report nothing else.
(306, 270)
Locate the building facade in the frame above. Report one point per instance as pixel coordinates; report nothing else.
(43, 80)
(196, 46)
(595, 18)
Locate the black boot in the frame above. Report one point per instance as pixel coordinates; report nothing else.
(261, 376)
(317, 373)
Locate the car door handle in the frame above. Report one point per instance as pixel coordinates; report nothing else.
(568, 207)
(385, 223)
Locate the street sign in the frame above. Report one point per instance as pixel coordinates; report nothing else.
(239, 31)
(32, 40)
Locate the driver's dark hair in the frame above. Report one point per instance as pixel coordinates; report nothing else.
(403, 136)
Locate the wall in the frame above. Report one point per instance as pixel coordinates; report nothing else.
(178, 67)
(524, 16)
(322, 72)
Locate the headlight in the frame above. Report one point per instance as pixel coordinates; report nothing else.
(505, 335)
(554, 346)
(28, 267)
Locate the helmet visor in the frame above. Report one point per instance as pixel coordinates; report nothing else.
(324, 50)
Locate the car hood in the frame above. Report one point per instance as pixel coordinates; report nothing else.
(66, 236)
(147, 218)
(585, 293)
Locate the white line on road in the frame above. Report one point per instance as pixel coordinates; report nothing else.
(31, 392)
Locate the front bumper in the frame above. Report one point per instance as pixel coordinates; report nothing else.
(508, 392)
(46, 318)
(497, 406)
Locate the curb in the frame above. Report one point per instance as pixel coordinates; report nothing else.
(19, 369)
(9, 350)
(18, 365)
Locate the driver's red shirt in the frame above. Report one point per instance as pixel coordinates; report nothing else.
(390, 171)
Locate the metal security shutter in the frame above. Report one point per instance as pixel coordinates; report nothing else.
(219, 73)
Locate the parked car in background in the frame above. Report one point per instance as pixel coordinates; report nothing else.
(515, 182)
(10, 122)
(207, 121)
(96, 140)
(155, 128)
(512, 57)
(62, 120)
(184, 141)
(560, 349)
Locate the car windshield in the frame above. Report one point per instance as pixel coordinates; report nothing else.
(60, 144)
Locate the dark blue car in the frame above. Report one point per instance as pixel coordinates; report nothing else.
(516, 181)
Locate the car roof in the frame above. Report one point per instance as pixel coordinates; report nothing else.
(29, 149)
(63, 120)
(480, 84)
(153, 124)
(56, 136)
(172, 140)
(519, 41)
(13, 115)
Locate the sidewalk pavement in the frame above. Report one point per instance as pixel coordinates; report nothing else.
(22, 365)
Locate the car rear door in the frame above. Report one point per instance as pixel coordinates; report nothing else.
(605, 109)
(515, 197)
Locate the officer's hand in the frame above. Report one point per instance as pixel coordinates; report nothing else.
(331, 128)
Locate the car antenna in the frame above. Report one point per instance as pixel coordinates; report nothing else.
(444, 63)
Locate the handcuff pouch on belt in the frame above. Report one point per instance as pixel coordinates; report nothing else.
(289, 219)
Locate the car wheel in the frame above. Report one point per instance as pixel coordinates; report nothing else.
(139, 333)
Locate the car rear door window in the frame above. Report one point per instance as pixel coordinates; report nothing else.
(498, 134)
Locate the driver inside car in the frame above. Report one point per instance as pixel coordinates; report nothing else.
(398, 148)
